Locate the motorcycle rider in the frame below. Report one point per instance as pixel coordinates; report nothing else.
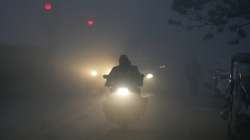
(125, 72)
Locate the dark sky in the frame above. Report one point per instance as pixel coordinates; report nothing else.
(136, 27)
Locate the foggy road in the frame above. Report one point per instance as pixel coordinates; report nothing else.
(54, 55)
(79, 116)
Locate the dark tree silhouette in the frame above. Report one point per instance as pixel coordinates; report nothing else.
(215, 15)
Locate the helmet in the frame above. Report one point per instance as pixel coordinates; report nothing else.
(123, 60)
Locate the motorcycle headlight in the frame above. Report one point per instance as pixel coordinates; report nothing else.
(93, 73)
(149, 76)
(123, 91)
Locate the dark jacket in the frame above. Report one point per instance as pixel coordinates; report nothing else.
(125, 74)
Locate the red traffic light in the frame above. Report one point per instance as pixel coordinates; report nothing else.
(48, 6)
(90, 22)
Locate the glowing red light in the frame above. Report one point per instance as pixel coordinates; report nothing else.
(90, 22)
(48, 6)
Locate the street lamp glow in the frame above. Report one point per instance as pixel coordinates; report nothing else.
(149, 76)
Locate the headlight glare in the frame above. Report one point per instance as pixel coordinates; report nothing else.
(123, 91)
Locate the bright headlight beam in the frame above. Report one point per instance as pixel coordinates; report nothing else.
(93, 73)
(123, 91)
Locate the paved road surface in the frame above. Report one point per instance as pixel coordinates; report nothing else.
(79, 117)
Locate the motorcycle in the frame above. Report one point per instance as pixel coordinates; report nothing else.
(124, 104)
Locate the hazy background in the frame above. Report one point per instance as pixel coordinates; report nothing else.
(44, 59)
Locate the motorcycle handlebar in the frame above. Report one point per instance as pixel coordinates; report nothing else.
(105, 76)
